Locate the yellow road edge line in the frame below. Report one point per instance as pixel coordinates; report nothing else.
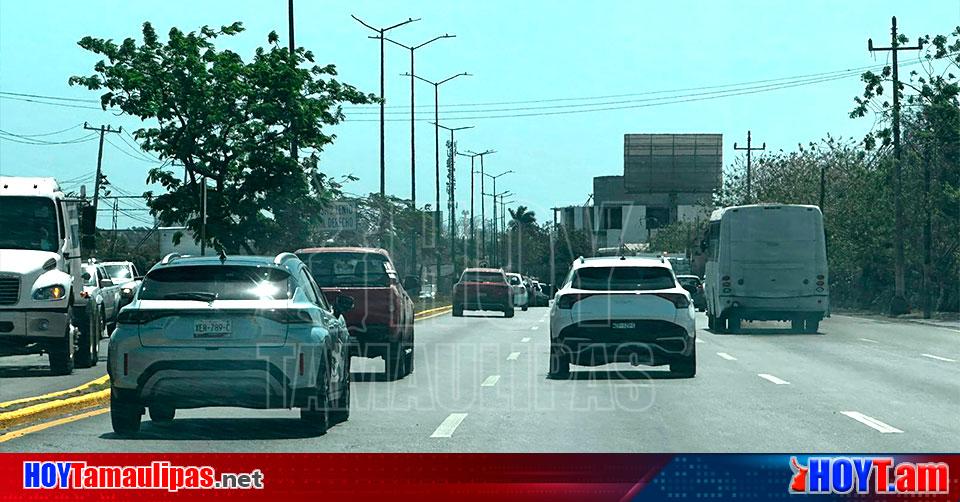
(429, 314)
(78, 388)
(16, 417)
(53, 423)
(431, 311)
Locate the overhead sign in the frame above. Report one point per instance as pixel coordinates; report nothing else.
(339, 215)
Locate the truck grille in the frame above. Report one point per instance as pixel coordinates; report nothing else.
(9, 290)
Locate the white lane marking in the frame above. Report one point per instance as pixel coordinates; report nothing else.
(513, 356)
(871, 422)
(938, 358)
(534, 328)
(525, 339)
(699, 340)
(449, 425)
(868, 340)
(543, 320)
(490, 381)
(726, 356)
(773, 379)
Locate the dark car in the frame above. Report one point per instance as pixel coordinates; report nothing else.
(694, 285)
(483, 289)
(381, 323)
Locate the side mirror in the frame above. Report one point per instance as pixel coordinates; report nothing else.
(412, 284)
(106, 283)
(342, 305)
(703, 245)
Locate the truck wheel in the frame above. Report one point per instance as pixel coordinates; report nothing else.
(124, 415)
(813, 325)
(524, 308)
(508, 312)
(559, 363)
(408, 363)
(796, 325)
(733, 325)
(89, 342)
(394, 361)
(317, 412)
(163, 415)
(686, 367)
(61, 354)
(711, 321)
(458, 310)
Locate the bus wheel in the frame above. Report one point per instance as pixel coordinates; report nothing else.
(796, 325)
(813, 325)
(733, 325)
(711, 321)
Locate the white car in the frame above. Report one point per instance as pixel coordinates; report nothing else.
(246, 331)
(622, 309)
(521, 297)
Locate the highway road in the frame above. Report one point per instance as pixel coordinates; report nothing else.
(480, 385)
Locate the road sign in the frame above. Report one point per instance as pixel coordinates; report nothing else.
(339, 215)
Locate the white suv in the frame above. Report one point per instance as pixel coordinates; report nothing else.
(245, 331)
(521, 296)
(622, 309)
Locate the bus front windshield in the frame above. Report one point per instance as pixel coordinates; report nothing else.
(28, 223)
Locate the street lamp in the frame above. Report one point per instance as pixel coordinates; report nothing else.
(483, 215)
(473, 233)
(494, 178)
(453, 192)
(495, 221)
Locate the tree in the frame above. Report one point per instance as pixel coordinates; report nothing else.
(230, 122)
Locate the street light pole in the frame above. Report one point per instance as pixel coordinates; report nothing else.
(453, 192)
(494, 178)
(380, 32)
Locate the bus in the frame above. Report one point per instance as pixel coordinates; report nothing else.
(766, 262)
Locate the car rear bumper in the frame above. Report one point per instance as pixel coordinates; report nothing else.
(773, 309)
(651, 342)
(191, 378)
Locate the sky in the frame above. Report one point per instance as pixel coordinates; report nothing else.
(533, 50)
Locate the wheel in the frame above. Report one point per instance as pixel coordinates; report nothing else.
(524, 308)
(394, 361)
(796, 325)
(88, 343)
(162, 414)
(813, 325)
(124, 416)
(316, 414)
(341, 410)
(686, 367)
(559, 363)
(711, 321)
(458, 311)
(61, 351)
(408, 364)
(733, 325)
(508, 312)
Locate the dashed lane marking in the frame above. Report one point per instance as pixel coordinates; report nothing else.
(449, 425)
(771, 378)
(525, 339)
(513, 356)
(939, 358)
(871, 422)
(726, 356)
(490, 381)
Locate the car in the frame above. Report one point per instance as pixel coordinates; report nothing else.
(98, 287)
(381, 325)
(124, 274)
(518, 287)
(694, 285)
(247, 331)
(483, 289)
(622, 309)
(540, 297)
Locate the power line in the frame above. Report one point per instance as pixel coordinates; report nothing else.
(24, 95)
(54, 133)
(137, 148)
(62, 105)
(16, 138)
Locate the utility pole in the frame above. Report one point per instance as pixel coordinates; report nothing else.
(473, 233)
(483, 215)
(451, 176)
(293, 137)
(99, 179)
(203, 216)
(899, 304)
(413, 143)
(504, 243)
(493, 244)
(380, 32)
(436, 131)
(749, 150)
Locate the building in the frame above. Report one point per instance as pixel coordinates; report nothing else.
(666, 178)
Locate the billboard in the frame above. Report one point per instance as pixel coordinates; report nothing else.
(672, 163)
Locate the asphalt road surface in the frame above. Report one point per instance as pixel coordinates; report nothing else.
(28, 376)
(480, 386)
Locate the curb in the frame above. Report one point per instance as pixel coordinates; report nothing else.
(98, 398)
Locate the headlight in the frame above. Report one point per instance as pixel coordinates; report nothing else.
(55, 292)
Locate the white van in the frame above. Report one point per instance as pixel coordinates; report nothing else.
(766, 262)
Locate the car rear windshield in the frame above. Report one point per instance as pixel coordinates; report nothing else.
(119, 273)
(688, 281)
(217, 282)
(623, 278)
(469, 276)
(348, 270)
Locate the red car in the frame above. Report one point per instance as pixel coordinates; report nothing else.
(381, 324)
(483, 289)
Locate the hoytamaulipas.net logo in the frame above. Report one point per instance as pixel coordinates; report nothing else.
(868, 475)
(156, 476)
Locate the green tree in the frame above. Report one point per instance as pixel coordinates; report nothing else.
(230, 122)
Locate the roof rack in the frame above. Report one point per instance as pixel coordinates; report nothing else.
(283, 257)
(170, 257)
(581, 259)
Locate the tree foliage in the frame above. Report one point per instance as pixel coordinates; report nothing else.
(230, 122)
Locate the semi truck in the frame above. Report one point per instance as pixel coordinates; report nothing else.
(42, 306)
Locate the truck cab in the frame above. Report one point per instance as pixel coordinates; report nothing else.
(42, 309)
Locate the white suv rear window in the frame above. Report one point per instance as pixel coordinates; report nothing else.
(623, 278)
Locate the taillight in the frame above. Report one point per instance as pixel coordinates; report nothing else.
(135, 316)
(85, 294)
(566, 301)
(288, 316)
(301, 364)
(678, 300)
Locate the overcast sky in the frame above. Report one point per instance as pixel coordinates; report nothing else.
(518, 51)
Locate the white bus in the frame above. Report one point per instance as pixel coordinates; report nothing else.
(766, 262)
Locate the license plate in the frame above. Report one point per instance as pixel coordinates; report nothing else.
(624, 325)
(208, 328)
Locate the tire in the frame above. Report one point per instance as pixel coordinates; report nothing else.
(686, 367)
(711, 321)
(457, 311)
(408, 363)
(508, 313)
(162, 414)
(813, 325)
(316, 414)
(559, 363)
(88, 343)
(61, 351)
(394, 361)
(524, 308)
(124, 416)
(796, 325)
(341, 410)
(733, 325)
